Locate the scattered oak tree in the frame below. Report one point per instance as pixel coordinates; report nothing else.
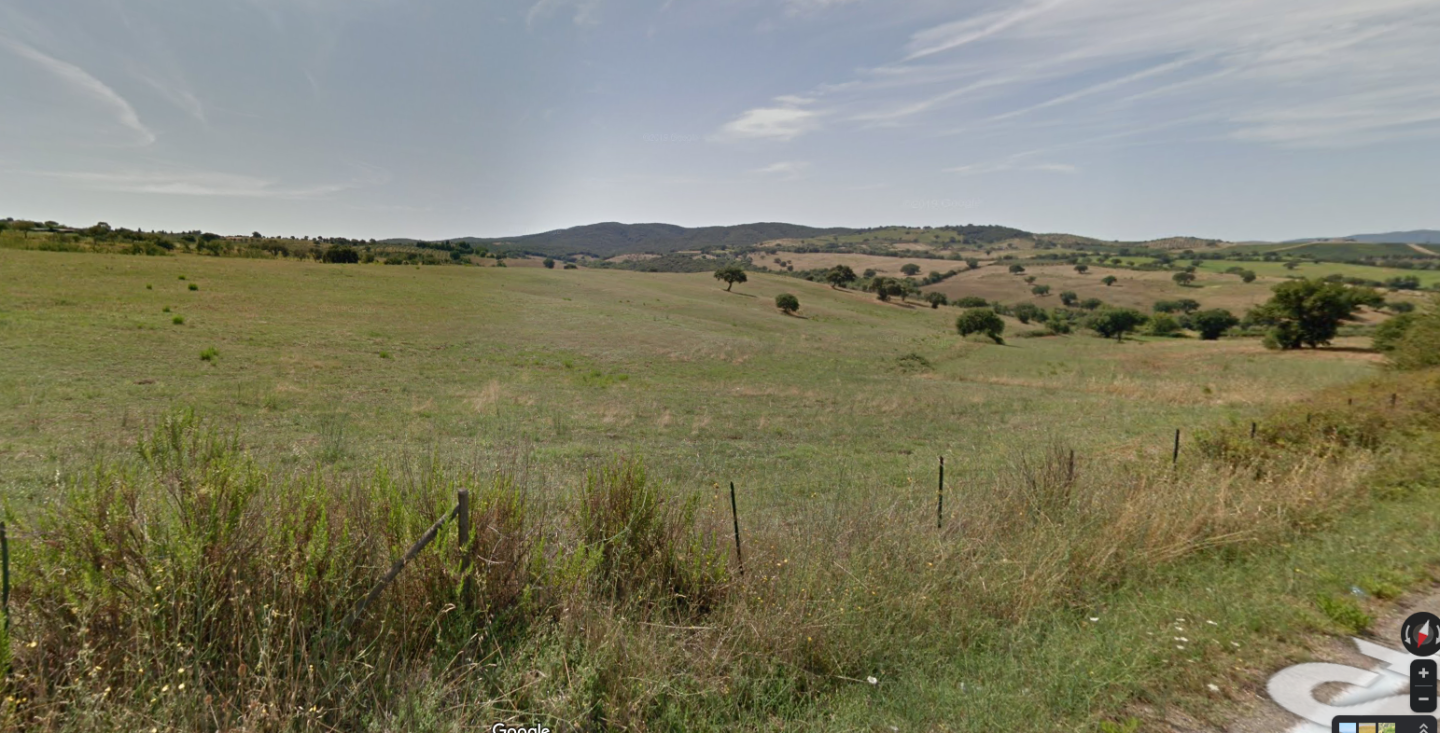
(1116, 322)
(787, 303)
(730, 274)
(981, 321)
(1309, 312)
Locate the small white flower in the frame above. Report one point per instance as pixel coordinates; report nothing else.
(1179, 646)
(1213, 687)
(872, 680)
(1093, 619)
(1212, 623)
(1235, 644)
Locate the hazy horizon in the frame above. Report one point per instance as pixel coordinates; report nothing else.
(1116, 119)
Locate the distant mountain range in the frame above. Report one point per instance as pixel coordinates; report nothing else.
(1417, 236)
(613, 238)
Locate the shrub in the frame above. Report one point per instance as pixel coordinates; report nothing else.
(1419, 347)
(1026, 312)
(1212, 324)
(936, 299)
(549, 263)
(913, 362)
(340, 254)
(571, 266)
(193, 286)
(179, 321)
(910, 269)
(1017, 269)
(787, 303)
(971, 301)
(1346, 613)
(209, 354)
(1082, 268)
(981, 321)
(1164, 324)
(1387, 335)
(1091, 304)
(1109, 280)
(1040, 290)
(1069, 298)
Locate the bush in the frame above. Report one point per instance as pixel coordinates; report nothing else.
(341, 254)
(210, 354)
(1109, 280)
(1164, 324)
(936, 299)
(1069, 298)
(1419, 347)
(787, 303)
(1387, 335)
(549, 263)
(1212, 324)
(193, 286)
(971, 301)
(910, 269)
(1040, 290)
(981, 321)
(180, 321)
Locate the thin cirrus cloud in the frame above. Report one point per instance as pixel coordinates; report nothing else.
(86, 85)
(785, 169)
(1282, 73)
(198, 183)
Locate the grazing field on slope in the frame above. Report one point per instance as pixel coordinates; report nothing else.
(1134, 288)
(829, 423)
(1428, 278)
(341, 364)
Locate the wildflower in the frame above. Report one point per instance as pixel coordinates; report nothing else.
(872, 680)
(1213, 687)
(1093, 619)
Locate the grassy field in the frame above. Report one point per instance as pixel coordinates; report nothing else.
(830, 425)
(1428, 278)
(344, 363)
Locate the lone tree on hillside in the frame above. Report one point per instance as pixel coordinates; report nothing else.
(1247, 276)
(1309, 312)
(972, 263)
(1017, 269)
(910, 269)
(1183, 278)
(1082, 268)
(787, 303)
(1116, 322)
(549, 263)
(1213, 324)
(936, 299)
(983, 321)
(1110, 280)
(1040, 290)
(731, 274)
(1069, 298)
(840, 276)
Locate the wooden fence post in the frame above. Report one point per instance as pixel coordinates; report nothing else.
(5, 574)
(1175, 458)
(940, 497)
(1253, 426)
(735, 517)
(467, 585)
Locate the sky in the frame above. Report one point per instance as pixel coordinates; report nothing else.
(1119, 119)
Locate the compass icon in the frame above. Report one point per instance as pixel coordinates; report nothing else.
(1421, 634)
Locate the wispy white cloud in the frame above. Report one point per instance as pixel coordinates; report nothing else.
(785, 169)
(585, 12)
(786, 121)
(1016, 162)
(202, 183)
(806, 7)
(86, 85)
(1106, 66)
(962, 32)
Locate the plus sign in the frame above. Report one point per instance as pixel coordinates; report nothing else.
(1424, 673)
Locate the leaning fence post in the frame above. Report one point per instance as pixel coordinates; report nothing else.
(1175, 457)
(940, 497)
(466, 584)
(1253, 426)
(5, 575)
(735, 517)
(395, 569)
